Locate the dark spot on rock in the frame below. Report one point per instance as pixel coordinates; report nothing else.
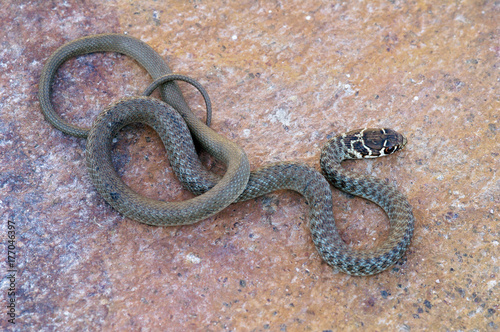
(492, 127)
(114, 196)
(460, 291)
(370, 302)
(451, 216)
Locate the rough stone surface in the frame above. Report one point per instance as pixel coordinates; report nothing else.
(283, 76)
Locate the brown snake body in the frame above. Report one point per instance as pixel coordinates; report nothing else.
(173, 120)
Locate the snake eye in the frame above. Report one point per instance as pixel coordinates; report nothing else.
(390, 150)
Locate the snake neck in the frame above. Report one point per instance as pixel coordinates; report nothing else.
(368, 187)
(385, 195)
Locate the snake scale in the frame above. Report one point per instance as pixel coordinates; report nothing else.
(173, 120)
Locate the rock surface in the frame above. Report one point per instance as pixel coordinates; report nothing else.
(283, 76)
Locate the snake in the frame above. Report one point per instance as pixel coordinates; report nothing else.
(179, 128)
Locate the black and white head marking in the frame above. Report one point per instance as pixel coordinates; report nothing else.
(372, 143)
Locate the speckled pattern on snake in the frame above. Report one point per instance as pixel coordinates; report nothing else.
(175, 123)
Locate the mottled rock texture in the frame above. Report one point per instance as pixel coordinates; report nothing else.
(283, 76)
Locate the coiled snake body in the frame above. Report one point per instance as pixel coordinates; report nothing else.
(174, 122)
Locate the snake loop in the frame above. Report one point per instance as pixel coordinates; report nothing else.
(175, 123)
(116, 116)
(178, 77)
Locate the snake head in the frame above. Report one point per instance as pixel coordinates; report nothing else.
(372, 142)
